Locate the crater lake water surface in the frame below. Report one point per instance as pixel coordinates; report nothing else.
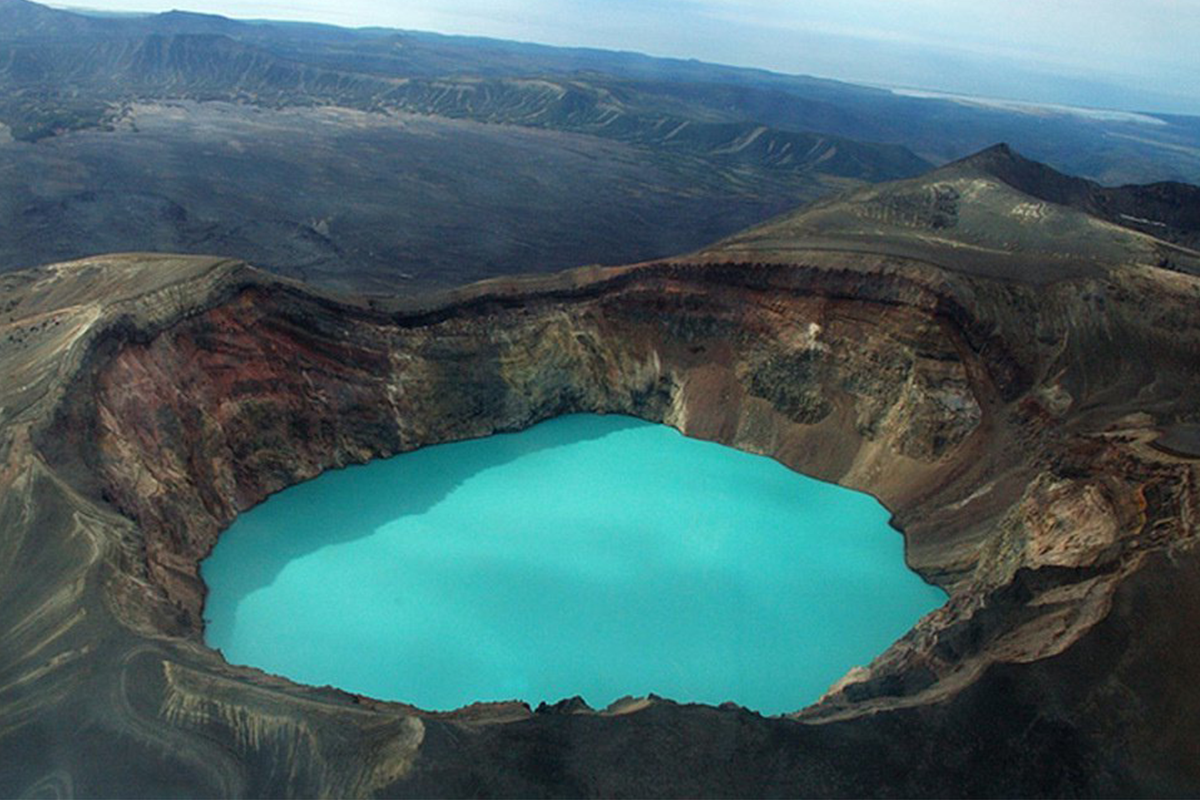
(599, 556)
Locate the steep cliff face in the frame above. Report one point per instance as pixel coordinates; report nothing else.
(270, 387)
(1008, 424)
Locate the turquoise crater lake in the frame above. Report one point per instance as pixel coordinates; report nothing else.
(599, 556)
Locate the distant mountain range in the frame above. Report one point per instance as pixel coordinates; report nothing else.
(58, 66)
(61, 70)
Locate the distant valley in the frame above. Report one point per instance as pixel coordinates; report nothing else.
(362, 201)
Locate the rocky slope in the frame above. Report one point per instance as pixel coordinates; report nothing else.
(996, 368)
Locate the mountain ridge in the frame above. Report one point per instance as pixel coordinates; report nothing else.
(1168, 210)
(994, 213)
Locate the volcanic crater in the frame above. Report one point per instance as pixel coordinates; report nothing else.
(995, 365)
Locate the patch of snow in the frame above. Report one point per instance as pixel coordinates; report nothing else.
(1143, 221)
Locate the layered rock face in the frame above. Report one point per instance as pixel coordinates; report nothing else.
(1008, 424)
(270, 386)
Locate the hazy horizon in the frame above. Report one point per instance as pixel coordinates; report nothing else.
(1095, 53)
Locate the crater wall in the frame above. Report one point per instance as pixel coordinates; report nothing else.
(1006, 426)
(267, 388)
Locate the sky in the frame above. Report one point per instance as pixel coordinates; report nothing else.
(1139, 55)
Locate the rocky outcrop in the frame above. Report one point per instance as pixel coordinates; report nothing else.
(1008, 424)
